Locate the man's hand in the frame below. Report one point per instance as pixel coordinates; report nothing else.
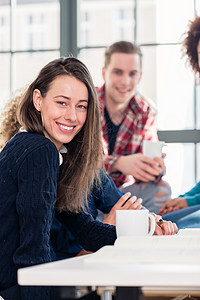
(172, 205)
(166, 228)
(139, 166)
(123, 203)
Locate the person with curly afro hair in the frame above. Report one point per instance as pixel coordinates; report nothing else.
(191, 48)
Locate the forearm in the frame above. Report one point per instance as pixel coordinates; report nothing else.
(117, 166)
(91, 234)
(110, 161)
(193, 200)
(107, 195)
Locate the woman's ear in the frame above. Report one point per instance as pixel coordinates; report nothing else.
(37, 99)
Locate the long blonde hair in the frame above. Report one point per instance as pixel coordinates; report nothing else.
(81, 163)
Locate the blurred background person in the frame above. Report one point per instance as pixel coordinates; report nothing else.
(191, 48)
(128, 118)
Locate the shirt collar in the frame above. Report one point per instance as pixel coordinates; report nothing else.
(63, 149)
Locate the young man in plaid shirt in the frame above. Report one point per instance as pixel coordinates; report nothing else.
(128, 118)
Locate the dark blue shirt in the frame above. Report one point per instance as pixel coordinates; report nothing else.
(112, 130)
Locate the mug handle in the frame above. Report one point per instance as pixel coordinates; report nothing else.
(153, 224)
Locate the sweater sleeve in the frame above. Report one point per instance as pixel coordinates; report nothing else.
(90, 233)
(107, 195)
(37, 182)
(193, 195)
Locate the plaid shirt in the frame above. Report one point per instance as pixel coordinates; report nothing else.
(138, 124)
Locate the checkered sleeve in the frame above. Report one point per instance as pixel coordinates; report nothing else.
(150, 127)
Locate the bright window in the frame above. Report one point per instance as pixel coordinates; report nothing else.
(29, 38)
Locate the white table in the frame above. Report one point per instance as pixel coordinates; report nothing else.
(75, 272)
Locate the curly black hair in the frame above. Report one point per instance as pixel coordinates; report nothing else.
(190, 44)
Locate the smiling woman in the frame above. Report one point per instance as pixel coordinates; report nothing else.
(59, 109)
(41, 111)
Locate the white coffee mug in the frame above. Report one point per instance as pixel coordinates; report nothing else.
(134, 223)
(153, 149)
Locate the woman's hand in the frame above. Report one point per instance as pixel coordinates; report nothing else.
(172, 205)
(124, 203)
(166, 228)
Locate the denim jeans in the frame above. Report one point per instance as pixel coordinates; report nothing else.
(185, 218)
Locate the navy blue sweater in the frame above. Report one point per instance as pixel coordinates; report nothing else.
(29, 166)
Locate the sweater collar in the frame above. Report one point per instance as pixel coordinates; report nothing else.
(63, 149)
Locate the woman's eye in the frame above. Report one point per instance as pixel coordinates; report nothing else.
(61, 103)
(82, 106)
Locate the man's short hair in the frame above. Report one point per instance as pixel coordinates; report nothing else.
(122, 47)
